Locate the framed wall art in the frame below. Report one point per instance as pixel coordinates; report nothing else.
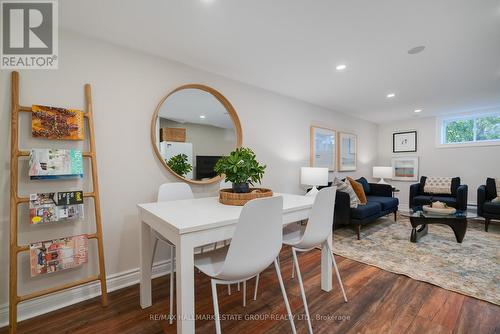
(323, 147)
(405, 169)
(404, 142)
(348, 151)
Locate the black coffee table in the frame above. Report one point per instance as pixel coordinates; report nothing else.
(421, 220)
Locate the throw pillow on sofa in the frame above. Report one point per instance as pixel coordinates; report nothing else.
(346, 187)
(437, 185)
(365, 184)
(358, 189)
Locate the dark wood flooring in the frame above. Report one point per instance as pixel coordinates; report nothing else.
(379, 302)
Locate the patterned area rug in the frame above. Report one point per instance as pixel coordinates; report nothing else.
(471, 268)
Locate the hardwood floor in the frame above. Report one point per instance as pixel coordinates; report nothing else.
(379, 302)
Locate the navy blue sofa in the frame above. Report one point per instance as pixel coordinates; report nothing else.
(485, 207)
(379, 203)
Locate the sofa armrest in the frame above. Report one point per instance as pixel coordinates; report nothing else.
(342, 213)
(377, 189)
(462, 197)
(414, 191)
(481, 199)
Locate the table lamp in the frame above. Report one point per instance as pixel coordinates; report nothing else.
(382, 172)
(313, 176)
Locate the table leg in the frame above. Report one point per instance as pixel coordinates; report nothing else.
(459, 228)
(416, 234)
(326, 266)
(146, 257)
(185, 287)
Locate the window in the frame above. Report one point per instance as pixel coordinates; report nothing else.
(476, 129)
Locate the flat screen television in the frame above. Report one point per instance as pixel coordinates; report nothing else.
(205, 166)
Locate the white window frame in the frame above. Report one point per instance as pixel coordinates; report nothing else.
(440, 133)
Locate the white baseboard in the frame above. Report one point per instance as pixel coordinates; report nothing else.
(404, 207)
(55, 301)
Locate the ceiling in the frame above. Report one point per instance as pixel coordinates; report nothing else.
(196, 106)
(293, 46)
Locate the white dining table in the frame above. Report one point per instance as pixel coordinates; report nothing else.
(196, 222)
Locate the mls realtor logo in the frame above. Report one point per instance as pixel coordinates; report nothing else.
(29, 35)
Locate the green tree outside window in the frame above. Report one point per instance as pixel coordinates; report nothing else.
(488, 128)
(481, 128)
(459, 131)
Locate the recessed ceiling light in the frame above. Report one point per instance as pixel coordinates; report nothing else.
(202, 116)
(416, 49)
(391, 95)
(341, 67)
(418, 110)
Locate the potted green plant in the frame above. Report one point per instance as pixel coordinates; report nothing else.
(240, 168)
(179, 164)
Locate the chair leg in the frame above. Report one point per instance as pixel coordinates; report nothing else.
(256, 287)
(336, 270)
(285, 298)
(216, 307)
(302, 292)
(486, 224)
(171, 311)
(293, 271)
(395, 215)
(358, 231)
(244, 293)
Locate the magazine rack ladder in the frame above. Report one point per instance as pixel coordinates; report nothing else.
(15, 200)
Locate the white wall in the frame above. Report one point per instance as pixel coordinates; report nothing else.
(472, 164)
(126, 88)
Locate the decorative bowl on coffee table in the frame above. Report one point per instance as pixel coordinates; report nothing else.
(439, 211)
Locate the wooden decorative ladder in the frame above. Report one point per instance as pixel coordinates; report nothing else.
(15, 200)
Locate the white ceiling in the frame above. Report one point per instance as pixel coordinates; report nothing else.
(292, 47)
(187, 105)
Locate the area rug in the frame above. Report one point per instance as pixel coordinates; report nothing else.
(471, 268)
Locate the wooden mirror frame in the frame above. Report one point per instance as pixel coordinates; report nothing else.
(230, 109)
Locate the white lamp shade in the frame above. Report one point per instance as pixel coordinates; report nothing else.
(382, 172)
(314, 176)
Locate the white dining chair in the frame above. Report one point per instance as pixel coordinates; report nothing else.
(305, 238)
(228, 185)
(170, 192)
(315, 233)
(256, 243)
(173, 191)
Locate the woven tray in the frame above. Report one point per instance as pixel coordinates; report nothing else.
(228, 197)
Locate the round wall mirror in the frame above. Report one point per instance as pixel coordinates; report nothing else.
(192, 127)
